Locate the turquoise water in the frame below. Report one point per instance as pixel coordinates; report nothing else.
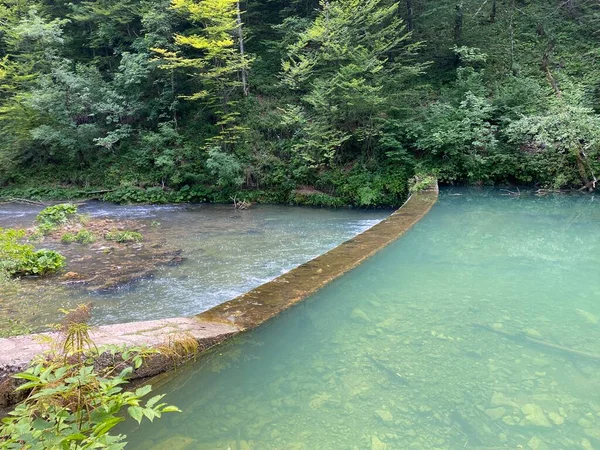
(434, 343)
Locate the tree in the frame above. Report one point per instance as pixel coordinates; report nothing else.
(348, 67)
(218, 62)
(569, 131)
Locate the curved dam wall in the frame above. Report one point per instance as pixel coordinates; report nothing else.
(266, 301)
(244, 312)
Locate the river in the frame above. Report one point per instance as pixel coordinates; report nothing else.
(468, 332)
(226, 253)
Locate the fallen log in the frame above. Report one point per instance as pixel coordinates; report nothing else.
(389, 371)
(20, 200)
(521, 337)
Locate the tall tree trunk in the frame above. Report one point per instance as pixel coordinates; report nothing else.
(174, 99)
(409, 15)
(545, 66)
(493, 13)
(245, 87)
(512, 36)
(570, 4)
(458, 23)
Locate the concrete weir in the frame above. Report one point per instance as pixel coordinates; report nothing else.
(227, 319)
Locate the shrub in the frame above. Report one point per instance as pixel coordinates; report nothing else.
(123, 236)
(420, 182)
(43, 262)
(11, 327)
(68, 238)
(22, 259)
(71, 403)
(56, 215)
(85, 237)
(44, 229)
(84, 219)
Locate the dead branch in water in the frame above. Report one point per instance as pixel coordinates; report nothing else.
(590, 186)
(516, 193)
(521, 337)
(244, 204)
(20, 200)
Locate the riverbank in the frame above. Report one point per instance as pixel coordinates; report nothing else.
(302, 195)
(244, 312)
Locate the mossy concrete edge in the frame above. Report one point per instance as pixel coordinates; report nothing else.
(242, 313)
(251, 309)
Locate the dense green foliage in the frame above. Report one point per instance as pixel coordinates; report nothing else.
(331, 102)
(72, 403)
(53, 217)
(18, 259)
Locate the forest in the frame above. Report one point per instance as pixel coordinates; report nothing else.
(331, 102)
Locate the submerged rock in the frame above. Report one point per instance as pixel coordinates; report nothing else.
(174, 443)
(499, 399)
(593, 433)
(532, 333)
(586, 444)
(556, 418)
(495, 413)
(534, 415)
(587, 316)
(359, 315)
(385, 416)
(535, 443)
(377, 444)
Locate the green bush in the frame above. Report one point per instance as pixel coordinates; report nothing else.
(45, 229)
(56, 215)
(123, 236)
(43, 262)
(85, 237)
(82, 236)
(18, 259)
(420, 182)
(11, 327)
(73, 404)
(68, 238)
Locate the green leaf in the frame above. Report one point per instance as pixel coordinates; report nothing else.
(105, 426)
(150, 403)
(75, 437)
(136, 413)
(168, 409)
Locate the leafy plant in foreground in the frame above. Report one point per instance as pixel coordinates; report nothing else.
(72, 404)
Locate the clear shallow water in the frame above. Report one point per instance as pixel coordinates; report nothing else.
(226, 253)
(388, 357)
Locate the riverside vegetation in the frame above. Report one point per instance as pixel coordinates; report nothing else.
(318, 102)
(71, 403)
